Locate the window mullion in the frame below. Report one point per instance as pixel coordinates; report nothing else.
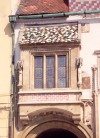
(56, 70)
(67, 71)
(44, 71)
(33, 73)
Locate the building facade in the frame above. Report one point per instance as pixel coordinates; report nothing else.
(5, 69)
(56, 69)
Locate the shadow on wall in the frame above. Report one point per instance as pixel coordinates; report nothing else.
(8, 30)
(66, 2)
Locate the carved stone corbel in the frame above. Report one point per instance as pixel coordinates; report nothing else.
(24, 118)
(76, 118)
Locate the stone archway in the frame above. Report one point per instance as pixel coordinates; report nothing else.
(56, 133)
(77, 131)
(56, 122)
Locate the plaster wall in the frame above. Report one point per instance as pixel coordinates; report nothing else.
(90, 41)
(99, 112)
(14, 6)
(5, 48)
(5, 69)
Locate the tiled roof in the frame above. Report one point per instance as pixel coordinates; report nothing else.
(42, 6)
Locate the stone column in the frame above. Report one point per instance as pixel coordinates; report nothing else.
(95, 104)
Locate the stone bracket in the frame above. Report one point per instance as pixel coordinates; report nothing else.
(24, 118)
(76, 118)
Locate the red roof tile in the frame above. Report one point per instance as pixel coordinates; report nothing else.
(42, 6)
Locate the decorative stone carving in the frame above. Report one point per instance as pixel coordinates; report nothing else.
(37, 98)
(49, 115)
(49, 34)
(86, 82)
(76, 118)
(19, 69)
(94, 80)
(79, 64)
(88, 112)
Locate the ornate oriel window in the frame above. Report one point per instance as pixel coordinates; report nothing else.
(51, 70)
(49, 53)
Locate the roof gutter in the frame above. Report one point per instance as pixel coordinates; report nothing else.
(14, 18)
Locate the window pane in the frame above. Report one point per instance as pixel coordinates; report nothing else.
(38, 83)
(62, 71)
(50, 71)
(62, 82)
(38, 61)
(50, 61)
(50, 83)
(61, 61)
(38, 72)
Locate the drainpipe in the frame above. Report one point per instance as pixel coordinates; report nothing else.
(11, 123)
(14, 18)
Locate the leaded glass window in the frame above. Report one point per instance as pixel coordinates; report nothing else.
(50, 71)
(61, 71)
(38, 71)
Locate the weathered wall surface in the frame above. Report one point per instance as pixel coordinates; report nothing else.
(5, 69)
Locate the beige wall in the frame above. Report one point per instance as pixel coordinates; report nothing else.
(5, 68)
(5, 46)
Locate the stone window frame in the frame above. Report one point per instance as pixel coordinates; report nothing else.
(27, 52)
(55, 54)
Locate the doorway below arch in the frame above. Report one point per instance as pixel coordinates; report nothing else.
(58, 125)
(57, 133)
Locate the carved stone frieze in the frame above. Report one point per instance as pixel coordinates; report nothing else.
(49, 115)
(49, 34)
(37, 98)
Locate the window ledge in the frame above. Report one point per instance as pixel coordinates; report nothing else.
(51, 91)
